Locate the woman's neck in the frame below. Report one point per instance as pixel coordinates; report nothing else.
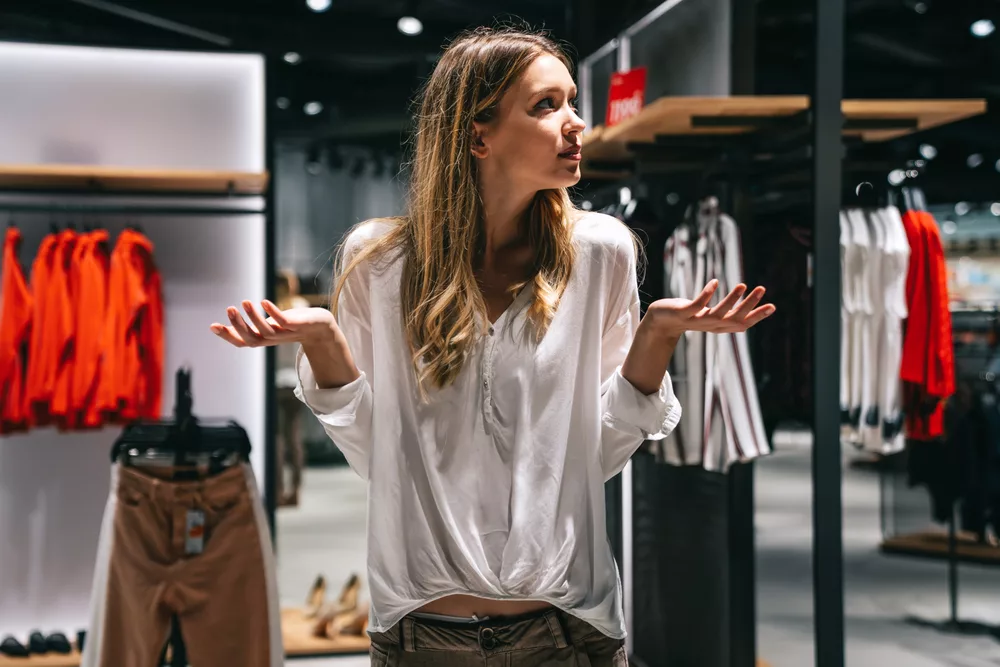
(504, 209)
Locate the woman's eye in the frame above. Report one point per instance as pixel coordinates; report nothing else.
(547, 103)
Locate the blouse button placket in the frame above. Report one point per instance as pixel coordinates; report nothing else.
(488, 381)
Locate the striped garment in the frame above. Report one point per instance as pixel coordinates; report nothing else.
(713, 379)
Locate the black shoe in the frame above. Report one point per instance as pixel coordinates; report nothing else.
(36, 643)
(57, 643)
(13, 648)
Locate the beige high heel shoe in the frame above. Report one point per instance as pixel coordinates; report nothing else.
(316, 598)
(346, 603)
(349, 623)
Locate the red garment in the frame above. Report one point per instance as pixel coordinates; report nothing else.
(39, 382)
(91, 271)
(132, 385)
(15, 330)
(63, 288)
(927, 368)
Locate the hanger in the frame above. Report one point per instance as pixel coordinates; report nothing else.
(183, 443)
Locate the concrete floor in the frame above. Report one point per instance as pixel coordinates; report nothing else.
(326, 534)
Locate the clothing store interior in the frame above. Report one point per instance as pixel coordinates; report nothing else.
(831, 496)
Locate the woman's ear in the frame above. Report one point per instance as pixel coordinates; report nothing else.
(479, 147)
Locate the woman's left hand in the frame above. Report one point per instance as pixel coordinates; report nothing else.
(672, 317)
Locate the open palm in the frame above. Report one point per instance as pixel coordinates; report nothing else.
(295, 325)
(730, 315)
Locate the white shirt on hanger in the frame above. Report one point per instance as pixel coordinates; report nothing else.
(495, 488)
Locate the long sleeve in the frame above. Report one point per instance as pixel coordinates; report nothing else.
(628, 417)
(346, 412)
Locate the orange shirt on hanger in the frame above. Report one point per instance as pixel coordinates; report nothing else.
(15, 329)
(38, 385)
(62, 324)
(91, 311)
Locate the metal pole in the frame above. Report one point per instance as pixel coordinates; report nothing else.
(272, 467)
(828, 571)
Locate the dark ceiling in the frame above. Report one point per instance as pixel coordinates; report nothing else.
(364, 71)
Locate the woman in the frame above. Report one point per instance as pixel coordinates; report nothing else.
(485, 369)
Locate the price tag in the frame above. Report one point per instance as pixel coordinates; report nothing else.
(626, 96)
(194, 535)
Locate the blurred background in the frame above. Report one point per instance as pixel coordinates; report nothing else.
(245, 138)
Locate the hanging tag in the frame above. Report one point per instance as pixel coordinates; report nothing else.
(194, 535)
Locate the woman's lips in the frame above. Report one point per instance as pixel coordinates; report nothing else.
(571, 154)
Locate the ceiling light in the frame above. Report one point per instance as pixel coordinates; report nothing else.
(313, 108)
(673, 199)
(983, 28)
(920, 7)
(928, 152)
(283, 102)
(919, 164)
(897, 176)
(962, 207)
(319, 5)
(912, 173)
(293, 58)
(998, 165)
(949, 227)
(995, 208)
(587, 205)
(974, 160)
(624, 196)
(409, 25)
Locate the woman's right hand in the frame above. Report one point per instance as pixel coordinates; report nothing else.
(295, 325)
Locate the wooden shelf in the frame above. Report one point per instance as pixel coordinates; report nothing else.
(117, 179)
(935, 545)
(296, 631)
(925, 114)
(607, 153)
(48, 660)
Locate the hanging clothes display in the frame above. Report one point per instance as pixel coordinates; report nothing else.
(721, 422)
(83, 345)
(15, 329)
(874, 261)
(927, 366)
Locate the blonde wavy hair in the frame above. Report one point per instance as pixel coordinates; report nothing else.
(442, 233)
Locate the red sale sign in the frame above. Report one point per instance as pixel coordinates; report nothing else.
(626, 96)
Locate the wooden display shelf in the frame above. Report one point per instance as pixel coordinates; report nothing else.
(935, 545)
(922, 115)
(48, 660)
(123, 179)
(607, 151)
(296, 631)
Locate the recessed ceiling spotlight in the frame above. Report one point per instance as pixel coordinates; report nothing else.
(920, 7)
(319, 5)
(995, 208)
(949, 227)
(897, 176)
(283, 102)
(974, 160)
(997, 165)
(293, 58)
(409, 25)
(983, 28)
(313, 108)
(587, 205)
(928, 152)
(962, 207)
(673, 199)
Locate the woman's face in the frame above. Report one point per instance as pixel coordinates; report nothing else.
(534, 141)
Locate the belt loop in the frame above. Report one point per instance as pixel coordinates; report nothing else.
(557, 628)
(407, 634)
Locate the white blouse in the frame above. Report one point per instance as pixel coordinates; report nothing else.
(495, 488)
